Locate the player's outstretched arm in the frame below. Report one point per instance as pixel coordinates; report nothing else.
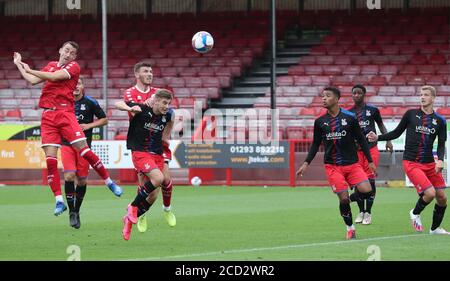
(56, 76)
(122, 106)
(17, 58)
(397, 132)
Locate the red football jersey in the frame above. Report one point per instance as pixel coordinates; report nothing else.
(135, 95)
(59, 94)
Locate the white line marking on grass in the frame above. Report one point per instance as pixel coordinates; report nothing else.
(295, 246)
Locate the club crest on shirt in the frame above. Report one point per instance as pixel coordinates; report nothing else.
(83, 107)
(434, 121)
(344, 122)
(163, 118)
(368, 113)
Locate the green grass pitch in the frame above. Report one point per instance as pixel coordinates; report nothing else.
(217, 223)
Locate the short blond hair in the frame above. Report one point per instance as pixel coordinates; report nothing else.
(163, 94)
(429, 88)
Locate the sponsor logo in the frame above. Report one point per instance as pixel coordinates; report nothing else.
(336, 135)
(418, 117)
(153, 126)
(425, 130)
(363, 124)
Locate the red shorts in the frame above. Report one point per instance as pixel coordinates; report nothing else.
(341, 177)
(423, 175)
(73, 162)
(362, 160)
(167, 154)
(144, 162)
(60, 123)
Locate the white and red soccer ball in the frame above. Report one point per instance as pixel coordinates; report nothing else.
(202, 42)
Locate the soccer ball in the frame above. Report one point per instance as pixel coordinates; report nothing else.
(196, 181)
(202, 42)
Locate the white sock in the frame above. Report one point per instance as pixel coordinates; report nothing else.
(59, 198)
(352, 227)
(108, 181)
(167, 209)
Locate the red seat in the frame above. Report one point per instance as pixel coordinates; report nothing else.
(302, 80)
(426, 69)
(307, 60)
(408, 70)
(415, 80)
(313, 70)
(13, 114)
(182, 92)
(354, 50)
(332, 70)
(176, 82)
(188, 71)
(444, 111)
(352, 70)
(211, 82)
(296, 70)
(342, 60)
(194, 82)
(324, 60)
(406, 90)
(378, 81)
(390, 49)
(342, 81)
(436, 80)
(388, 70)
(285, 81)
(321, 80)
(372, 50)
(397, 80)
(437, 59)
(400, 111)
(370, 70)
(363, 80)
(386, 111)
(418, 59)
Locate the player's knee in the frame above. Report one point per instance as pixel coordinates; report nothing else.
(429, 194)
(79, 145)
(69, 176)
(345, 200)
(81, 181)
(441, 198)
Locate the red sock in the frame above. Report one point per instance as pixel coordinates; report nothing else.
(53, 178)
(166, 191)
(94, 161)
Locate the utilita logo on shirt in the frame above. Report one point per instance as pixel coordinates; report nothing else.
(425, 130)
(336, 135)
(153, 126)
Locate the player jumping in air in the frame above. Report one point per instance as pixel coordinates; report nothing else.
(58, 118)
(141, 93)
(148, 128)
(367, 115)
(338, 129)
(422, 127)
(75, 167)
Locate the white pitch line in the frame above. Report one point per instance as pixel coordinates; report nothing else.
(295, 246)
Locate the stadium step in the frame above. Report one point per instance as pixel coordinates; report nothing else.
(246, 92)
(255, 82)
(265, 71)
(243, 102)
(282, 62)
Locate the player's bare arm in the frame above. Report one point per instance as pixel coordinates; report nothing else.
(56, 76)
(97, 123)
(383, 130)
(17, 59)
(122, 106)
